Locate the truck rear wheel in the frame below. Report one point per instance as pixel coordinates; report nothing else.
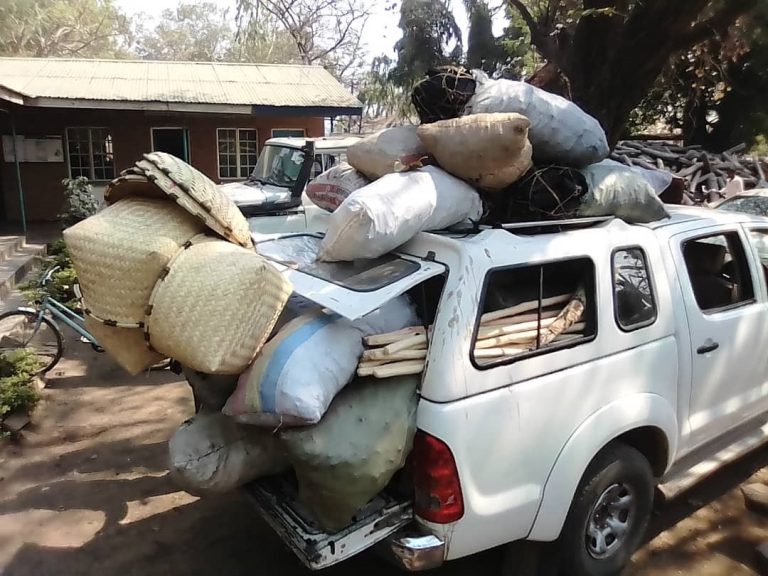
(609, 513)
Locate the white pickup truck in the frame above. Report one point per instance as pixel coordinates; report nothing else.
(666, 381)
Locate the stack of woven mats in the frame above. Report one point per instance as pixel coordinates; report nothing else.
(168, 269)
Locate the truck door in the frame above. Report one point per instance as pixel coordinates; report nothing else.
(717, 275)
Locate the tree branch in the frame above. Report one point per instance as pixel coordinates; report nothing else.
(716, 24)
(539, 37)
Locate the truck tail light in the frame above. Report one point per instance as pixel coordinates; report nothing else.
(437, 490)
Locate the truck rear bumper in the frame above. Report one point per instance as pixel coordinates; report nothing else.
(414, 553)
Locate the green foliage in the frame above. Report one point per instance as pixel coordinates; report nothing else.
(75, 28)
(484, 50)
(61, 285)
(79, 201)
(17, 369)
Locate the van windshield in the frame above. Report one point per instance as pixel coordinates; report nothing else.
(278, 165)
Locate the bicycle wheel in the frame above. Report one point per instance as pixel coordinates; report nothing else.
(19, 329)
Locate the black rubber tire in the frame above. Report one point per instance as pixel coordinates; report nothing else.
(31, 316)
(617, 463)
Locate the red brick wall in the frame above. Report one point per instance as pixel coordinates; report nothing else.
(43, 191)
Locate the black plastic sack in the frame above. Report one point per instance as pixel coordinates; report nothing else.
(551, 193)
(443, 94)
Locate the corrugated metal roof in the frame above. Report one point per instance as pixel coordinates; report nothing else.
(206, 83)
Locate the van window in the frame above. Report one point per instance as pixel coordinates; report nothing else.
(719, 272)
(634, 303)
(531, 310)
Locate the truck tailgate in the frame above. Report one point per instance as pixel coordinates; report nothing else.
(276, 500)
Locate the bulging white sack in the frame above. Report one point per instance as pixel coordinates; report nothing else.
(560, 132)
(299, 372)
(333, 186)
(387, 213)
(390, 150)
(212, 454)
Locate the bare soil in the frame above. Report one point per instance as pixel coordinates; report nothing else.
(85, 491)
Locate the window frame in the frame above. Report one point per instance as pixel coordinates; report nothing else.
(651, 286)
(303, 132)
(550, 347)
(712, 234)
(185, 131)
(763, 271)
(91, 163)
(238, 165)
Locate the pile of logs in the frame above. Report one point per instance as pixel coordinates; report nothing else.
(502, 334)
(702, 171)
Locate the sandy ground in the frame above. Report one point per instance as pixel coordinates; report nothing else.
(86, 492)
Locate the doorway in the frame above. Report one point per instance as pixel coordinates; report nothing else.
(171, 140)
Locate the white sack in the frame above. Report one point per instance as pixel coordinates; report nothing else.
(659, 180)
(390, 150)
(617, 190)
(212, 454)
(387, 213)
(491, 151)
(332, 187)
(366, 436)
(299, 372)
(560, 132)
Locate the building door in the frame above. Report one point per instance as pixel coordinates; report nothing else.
(171, 140)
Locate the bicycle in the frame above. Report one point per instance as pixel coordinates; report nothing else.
(36, 329)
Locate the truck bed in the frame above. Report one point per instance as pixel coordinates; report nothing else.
(276, 500)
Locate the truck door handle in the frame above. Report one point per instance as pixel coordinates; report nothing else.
(709, 346)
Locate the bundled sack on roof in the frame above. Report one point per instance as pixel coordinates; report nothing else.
(353, 453)
(550, 193)
(561, 132)
(333, 186)
(215, 307)
(443, 94)
(297, 374)
(380, 217)
(617, 190)
(490, 151)
(390, 150)
(211, 454)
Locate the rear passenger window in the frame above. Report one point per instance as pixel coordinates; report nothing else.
(633, 294)
(719, 271)
(533, 310)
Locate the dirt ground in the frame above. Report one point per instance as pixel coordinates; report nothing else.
(86, 492)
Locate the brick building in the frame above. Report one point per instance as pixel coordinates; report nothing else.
(94, 118)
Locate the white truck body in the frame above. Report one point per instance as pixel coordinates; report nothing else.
(688, 389)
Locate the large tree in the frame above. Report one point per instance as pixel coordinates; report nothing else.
(606, 54)
(76, 28)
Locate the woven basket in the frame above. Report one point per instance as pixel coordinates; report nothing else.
(126, 346)
(216, 307)
(120, 253)
(130, 184)
(198, 194)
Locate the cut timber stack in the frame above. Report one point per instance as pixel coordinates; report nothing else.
(703, 171)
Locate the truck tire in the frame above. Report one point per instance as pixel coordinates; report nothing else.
(609, 513)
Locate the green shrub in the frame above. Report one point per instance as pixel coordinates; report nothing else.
(79, 201)
(17, 369)
(61, 286)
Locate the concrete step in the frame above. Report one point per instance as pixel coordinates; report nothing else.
(10, 246)
(15, 267)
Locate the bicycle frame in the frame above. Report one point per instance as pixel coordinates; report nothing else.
(68, 317)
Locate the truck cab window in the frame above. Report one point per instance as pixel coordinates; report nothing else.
(719, 272)
(633, 293)
(759, 239)
(531, 310)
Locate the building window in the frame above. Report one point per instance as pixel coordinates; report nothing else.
(719, 271)
(288, 133)
(90, 153)
(634, 303)
(238, 151)
(532, 310)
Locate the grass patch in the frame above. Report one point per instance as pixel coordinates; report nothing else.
(17, 369)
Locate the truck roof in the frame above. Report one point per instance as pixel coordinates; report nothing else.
(321, 144)
(684, 214)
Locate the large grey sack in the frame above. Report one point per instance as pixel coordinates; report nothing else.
(560, 131)
(212, 454)
(352, 454)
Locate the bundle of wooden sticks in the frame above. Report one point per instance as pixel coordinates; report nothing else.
(502, 334)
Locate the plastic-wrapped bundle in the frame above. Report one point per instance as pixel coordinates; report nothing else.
(443, 94)
(352, 454)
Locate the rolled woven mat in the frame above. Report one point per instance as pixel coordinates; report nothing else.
(215, 307)
(126, 346)
(198, 194)
(120, 252)
(131, 184)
